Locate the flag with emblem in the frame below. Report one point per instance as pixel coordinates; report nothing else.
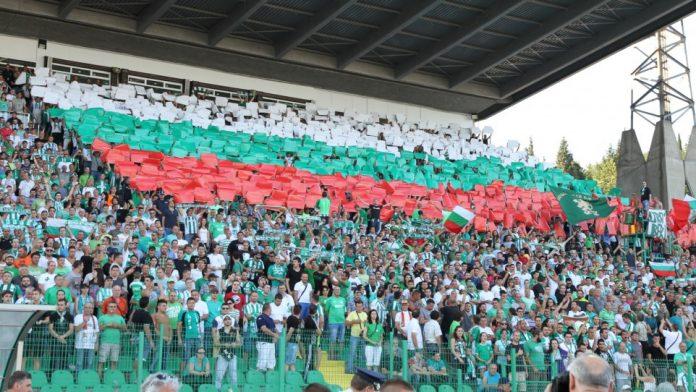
(457, 219)
(579, 207)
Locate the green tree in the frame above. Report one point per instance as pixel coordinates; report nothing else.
(566, 162)
(604, 171)
(530, 148)
(682, 150)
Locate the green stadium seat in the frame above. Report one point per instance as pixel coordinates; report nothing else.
(294, 378)
(51, 388)
(255, 377)
(185, 388)
(105, 388)
(466, 388)
(252, 388)
(293, 388)
(62, 378)
(129, 388)
(88, 378)
(207, 388)
(427, 388)
(315, 376)
(335, 388)
(445, 388)
(75, 388)
(114, 377)
(272, 377)
(38, 379)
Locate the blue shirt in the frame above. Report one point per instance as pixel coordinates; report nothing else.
(266, 320)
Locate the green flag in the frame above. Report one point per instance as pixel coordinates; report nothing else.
(579, 207)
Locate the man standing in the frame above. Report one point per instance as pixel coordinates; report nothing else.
(302, 293)
(356, 320)
(116, 298)
(86, 333)
(112, 323)
(623, 366)
(189, 321)
(162, 325)
(266, 340)
(645, 196)
(60, 327)
(336, 311)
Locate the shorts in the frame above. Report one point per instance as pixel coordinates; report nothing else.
(291, 353)
(110, 351)
(683, 381)
(373, 355)
(266, 360)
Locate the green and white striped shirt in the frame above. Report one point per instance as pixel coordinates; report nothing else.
(252, 310)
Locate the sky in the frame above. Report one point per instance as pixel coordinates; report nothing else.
(590, 108)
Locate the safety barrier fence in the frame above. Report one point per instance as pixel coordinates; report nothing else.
(250, 361)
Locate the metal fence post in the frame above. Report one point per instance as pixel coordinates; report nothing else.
(160, 348)
(513, 370)
(404, 360)
(689, 373)
(281, 361)
(460, 386)
(391, 354)
(141, 356)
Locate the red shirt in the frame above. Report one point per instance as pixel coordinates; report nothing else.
(121, 304)
(5, 132)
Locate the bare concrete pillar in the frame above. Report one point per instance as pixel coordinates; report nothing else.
(690, 161)
(630, 169)
(665, 166)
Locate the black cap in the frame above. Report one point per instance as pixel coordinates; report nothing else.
(371, 376)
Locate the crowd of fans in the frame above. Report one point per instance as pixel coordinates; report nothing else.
(229, 279)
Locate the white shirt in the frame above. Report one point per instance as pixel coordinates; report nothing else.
(25, 186)
(278, 313)
(217, 261)
(432, 330)
(47, 280)
(624, 363)
(401, 319)
(86, 338)
(413, 328)
(672, 341)
(304, 296)
(202, 309)
(486, 296)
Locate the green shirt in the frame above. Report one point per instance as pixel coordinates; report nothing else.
(324, 206)
(51, 295)
(374, 333)
(484, 351)
(173, 311)
(336, 308)
(110, 335)
(190, 320)
(277, 271)
(688, 357)
(535, 351)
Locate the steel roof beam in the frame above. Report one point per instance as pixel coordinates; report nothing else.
(559, 21)
(235, 19)
(470, 28)
(607, 37)
(152, 13)
(312, 25)
(412, 13)
(66, 7)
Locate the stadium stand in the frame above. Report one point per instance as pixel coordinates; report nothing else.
(255, 245)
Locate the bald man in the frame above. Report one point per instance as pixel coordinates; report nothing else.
(590, 373)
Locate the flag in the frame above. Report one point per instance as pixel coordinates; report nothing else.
(683, 212)
(53, 226)
(663, 269)
(579, 207)
(457, 219)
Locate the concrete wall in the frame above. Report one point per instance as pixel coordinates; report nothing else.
(26, 49)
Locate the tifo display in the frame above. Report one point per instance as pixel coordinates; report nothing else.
(254, 246)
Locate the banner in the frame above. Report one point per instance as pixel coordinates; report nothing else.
(579, 207)
(657, 224)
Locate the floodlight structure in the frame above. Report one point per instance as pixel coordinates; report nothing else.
(664, 96)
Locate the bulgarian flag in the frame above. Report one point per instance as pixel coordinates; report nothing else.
(457, 219)
(53, 226)
(683, 212)
(663, 269)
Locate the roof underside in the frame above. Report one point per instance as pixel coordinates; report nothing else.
(493, 52)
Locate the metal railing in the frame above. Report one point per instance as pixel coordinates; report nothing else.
(245, 360)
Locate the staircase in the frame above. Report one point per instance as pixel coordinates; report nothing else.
(334, 371)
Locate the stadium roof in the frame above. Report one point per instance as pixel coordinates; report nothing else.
(471, 56)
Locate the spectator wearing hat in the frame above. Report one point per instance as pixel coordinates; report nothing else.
(226, 343)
